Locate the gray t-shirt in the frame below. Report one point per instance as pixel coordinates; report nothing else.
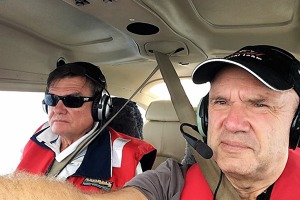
(166, 182)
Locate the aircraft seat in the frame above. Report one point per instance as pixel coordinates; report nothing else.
(161, 129)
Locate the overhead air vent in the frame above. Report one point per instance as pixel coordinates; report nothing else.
(81, 2)
(167, 47)
(142, 28)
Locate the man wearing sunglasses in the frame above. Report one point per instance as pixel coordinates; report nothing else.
(78, 104)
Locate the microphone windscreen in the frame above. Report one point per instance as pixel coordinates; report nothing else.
(203, 149)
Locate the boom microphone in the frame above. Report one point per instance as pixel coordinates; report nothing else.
(203, 149)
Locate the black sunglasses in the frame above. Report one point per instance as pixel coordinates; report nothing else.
(69, 101)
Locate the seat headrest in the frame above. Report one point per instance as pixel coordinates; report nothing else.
(129, 120)
(162, 110)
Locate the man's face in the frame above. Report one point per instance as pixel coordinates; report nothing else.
(248, 124)
(71, 123)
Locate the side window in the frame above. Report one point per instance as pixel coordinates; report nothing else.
(193, 91)
(21, 114)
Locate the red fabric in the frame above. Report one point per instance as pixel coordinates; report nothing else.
(195, 186)
(287, 186)
(37, 160)
(130, 158)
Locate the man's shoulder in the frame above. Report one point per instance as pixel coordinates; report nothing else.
(42, 127)
(143, 151)
(173, 165)
(165, 182)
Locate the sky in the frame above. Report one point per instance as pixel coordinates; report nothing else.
(21, 113)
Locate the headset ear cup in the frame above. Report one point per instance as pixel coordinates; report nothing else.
(45, 106)
(107, 105)
(202, 116)
(295, 131)
(102, 105)
(95, 106)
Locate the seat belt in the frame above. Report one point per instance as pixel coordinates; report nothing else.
(186, 114)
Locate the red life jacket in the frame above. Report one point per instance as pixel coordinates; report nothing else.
(286, 186)
(94, 173)
(195, 186)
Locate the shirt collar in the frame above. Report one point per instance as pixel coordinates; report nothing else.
(53, 141)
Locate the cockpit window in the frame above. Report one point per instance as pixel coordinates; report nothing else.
(193, 91)
(21, 115)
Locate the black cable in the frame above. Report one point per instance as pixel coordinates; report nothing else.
(218, 186)
(266, 194)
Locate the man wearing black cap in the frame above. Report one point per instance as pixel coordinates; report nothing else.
(78, 104)
(252, 113)
(253, 129)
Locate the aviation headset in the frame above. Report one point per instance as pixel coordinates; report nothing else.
(202, 123)
(102, 104)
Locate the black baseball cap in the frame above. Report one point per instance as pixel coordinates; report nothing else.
(273, 66)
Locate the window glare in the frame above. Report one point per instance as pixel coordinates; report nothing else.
(194, 91)
(21, 114)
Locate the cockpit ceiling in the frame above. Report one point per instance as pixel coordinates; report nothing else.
(122, 35)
